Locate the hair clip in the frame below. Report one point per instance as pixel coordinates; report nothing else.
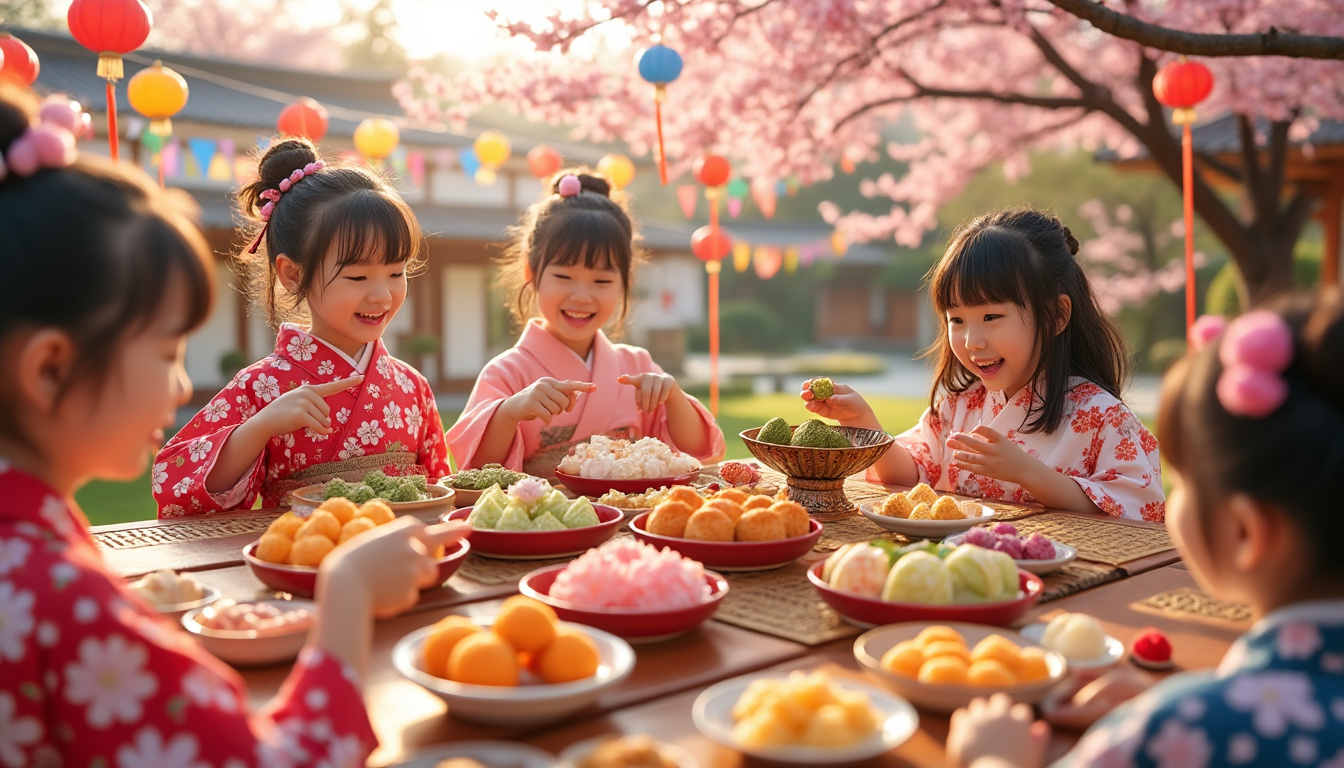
(1256, 349)
(272, 196)
(47, 144)
(569, 185)
(1204, 330)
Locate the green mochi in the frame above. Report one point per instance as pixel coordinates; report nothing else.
(513, 519)
(546, 522)
(580, 514)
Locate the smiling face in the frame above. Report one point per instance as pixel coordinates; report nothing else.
(576, 301)
(996, 342)
(352, 305)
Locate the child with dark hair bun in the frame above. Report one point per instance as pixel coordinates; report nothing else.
(568, 269)
(109, 277)
(333, 249)
(1025, 404)
(1252, 423)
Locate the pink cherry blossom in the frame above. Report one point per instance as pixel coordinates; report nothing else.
(1178, 745)
(1276, 701)
(1297, 640)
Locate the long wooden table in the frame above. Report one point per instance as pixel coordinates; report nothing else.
(656, 699)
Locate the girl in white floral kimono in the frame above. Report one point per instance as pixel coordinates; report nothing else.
(329, 401)
(1026, 400)
(113, 278)
(1253, 424)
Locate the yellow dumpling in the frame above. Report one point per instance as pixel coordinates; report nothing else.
(905, 658)
(938, 632)
(947, 508)
(897, 505)
(997, 648)
(341, 507)
(989, 673)
(921, 512)
(923, 494)
(944, 670)
(1032, 665)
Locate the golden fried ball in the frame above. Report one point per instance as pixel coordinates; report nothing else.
(728, 507)
(687, 495)
(310, 550)
(356, 526)
(669, 519)
(320, 523)
(897, 505)
(947, 508)
(732, 494)
(341, 507)
(794, 515)
(922, 493)
(760, 525)
(274, 547)
(758, 501)
(709, 525)
(921, 512)
(377, 511)
(286, 525)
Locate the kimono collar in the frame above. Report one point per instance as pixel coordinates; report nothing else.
(1305, 635)
(553, 355)
(28, 499)
(302, 348)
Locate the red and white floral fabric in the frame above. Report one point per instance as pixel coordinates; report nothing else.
(1100, 443)
(91, 676)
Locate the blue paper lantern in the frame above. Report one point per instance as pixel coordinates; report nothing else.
(470, 164)
(658, 64)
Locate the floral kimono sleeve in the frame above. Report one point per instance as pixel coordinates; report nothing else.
(1120, 471)
(926, 441)
(432, 452)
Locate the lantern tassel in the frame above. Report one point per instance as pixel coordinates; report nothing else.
(112, 118)
(1188, 193)
(109, 66)
(713, 268)
(659, 96)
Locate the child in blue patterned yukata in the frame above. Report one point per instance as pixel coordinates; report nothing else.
(1252, 422)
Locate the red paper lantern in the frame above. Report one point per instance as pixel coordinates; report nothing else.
(543, 161)
(304, 117)
(711, 243)
(109, 28)
(1181, 85)
(712, 170)
(18, 62)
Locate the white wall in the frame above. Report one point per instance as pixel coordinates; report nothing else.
(452, 187)
(464, 333)
(669, 293)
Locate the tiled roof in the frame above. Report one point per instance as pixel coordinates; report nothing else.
(1220, 136)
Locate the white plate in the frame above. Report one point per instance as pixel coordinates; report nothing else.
(571, 755)
(872, 645)
(713, 715)
(1115, 650)
(175, 610)
(247, 648)
(930, 529)
(1064, 554)
(492, 754)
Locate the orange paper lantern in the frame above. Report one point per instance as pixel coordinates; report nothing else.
(711, 243)
(304, 117)
(543, 161)
(712, 170)
(158, 93)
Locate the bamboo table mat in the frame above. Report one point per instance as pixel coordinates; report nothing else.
(1099, 539)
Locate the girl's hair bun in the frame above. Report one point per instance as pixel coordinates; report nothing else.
(590, 182)
(1070, 241)
(279, 161)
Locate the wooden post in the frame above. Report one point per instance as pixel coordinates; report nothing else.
(1332, 211)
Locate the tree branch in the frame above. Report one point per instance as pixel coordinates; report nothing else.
(740, 15)
(1255, 178)
(922, 92)
(1271, 43)
(1219, 166)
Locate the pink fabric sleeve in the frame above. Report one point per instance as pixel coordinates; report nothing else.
(655, 424)
(497, 382)
(99, 679)
(1126, 477)
(926, 442)
(181, 467)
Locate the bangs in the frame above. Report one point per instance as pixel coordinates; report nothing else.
(989, 267)
(587, 238)
(367, 227)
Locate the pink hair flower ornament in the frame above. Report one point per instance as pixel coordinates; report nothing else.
(1255, 351)
(569, 186)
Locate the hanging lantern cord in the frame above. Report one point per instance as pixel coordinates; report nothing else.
(659, 96)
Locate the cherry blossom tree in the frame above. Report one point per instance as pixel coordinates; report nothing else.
(270, 32)
(1131, 258)
(793, 86)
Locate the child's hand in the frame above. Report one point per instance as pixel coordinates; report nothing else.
(845, 406)
(985, 451)
(1097, 698)
(305, 406)
(544, 400)
(391, 563)
(997, 728)
(651, 389)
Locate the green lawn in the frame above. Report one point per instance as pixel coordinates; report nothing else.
(106, 502)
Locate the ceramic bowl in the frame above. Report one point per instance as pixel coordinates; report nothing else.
(541, 545)
(733, 556)
(591, 486)
(249, 648)
(302, 579)
(440, 498)
(872, 612)
(637, 625)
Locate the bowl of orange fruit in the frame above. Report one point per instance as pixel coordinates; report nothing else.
(287, 555)
(941, 667)
(522, 666)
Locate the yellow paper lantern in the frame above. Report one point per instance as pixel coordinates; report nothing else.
(839, 244)
(618, 169)
(158, 93)
(492, 149)
(377, 137)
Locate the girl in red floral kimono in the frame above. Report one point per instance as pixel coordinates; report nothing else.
(329, 401)
(113, 278)
(1026, 399)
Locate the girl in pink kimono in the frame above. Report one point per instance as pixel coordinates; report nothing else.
(329, 401)
(568, 267)
(1026, 400)
(89, 673)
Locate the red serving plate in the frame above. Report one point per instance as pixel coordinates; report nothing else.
(302, 579)
(871, 612)
(591, 486)
(539, 545)
(733, 555)
(634, 624)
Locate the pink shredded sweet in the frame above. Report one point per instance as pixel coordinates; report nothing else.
(625, 573)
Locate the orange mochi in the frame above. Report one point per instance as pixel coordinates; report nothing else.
(1032, 665)
(727, 506)
(938, 632)
(905, 658)
(445, 637)
(483, 658)
(686, 495)
(757, 502)
(286, 525)
(274, 547)
(990, 673)
(572, 655)
(310, 550)
(320, 523)
(377, 511)
(669, 518)
(526, 624)
(997, 648)
(734, 495)
(794, 515)
(354, 527)
(341, 507)
(944, 670)
(946, 648)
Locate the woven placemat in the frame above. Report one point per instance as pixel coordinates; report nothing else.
(1076, 577)
(1098, 539)
(1186, 603)
(784, 604)
(861, 491)
(484, 570)
(187, 530)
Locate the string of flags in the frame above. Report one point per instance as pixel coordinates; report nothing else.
(768, 259)
(764, 192)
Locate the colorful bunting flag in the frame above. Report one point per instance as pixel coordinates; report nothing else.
(688, 195)
(202, 151)
(741, 255)
(763, 192)
(790, 259)
(415, 164)
(734, 206)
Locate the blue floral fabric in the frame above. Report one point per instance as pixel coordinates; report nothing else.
(1277, 699)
